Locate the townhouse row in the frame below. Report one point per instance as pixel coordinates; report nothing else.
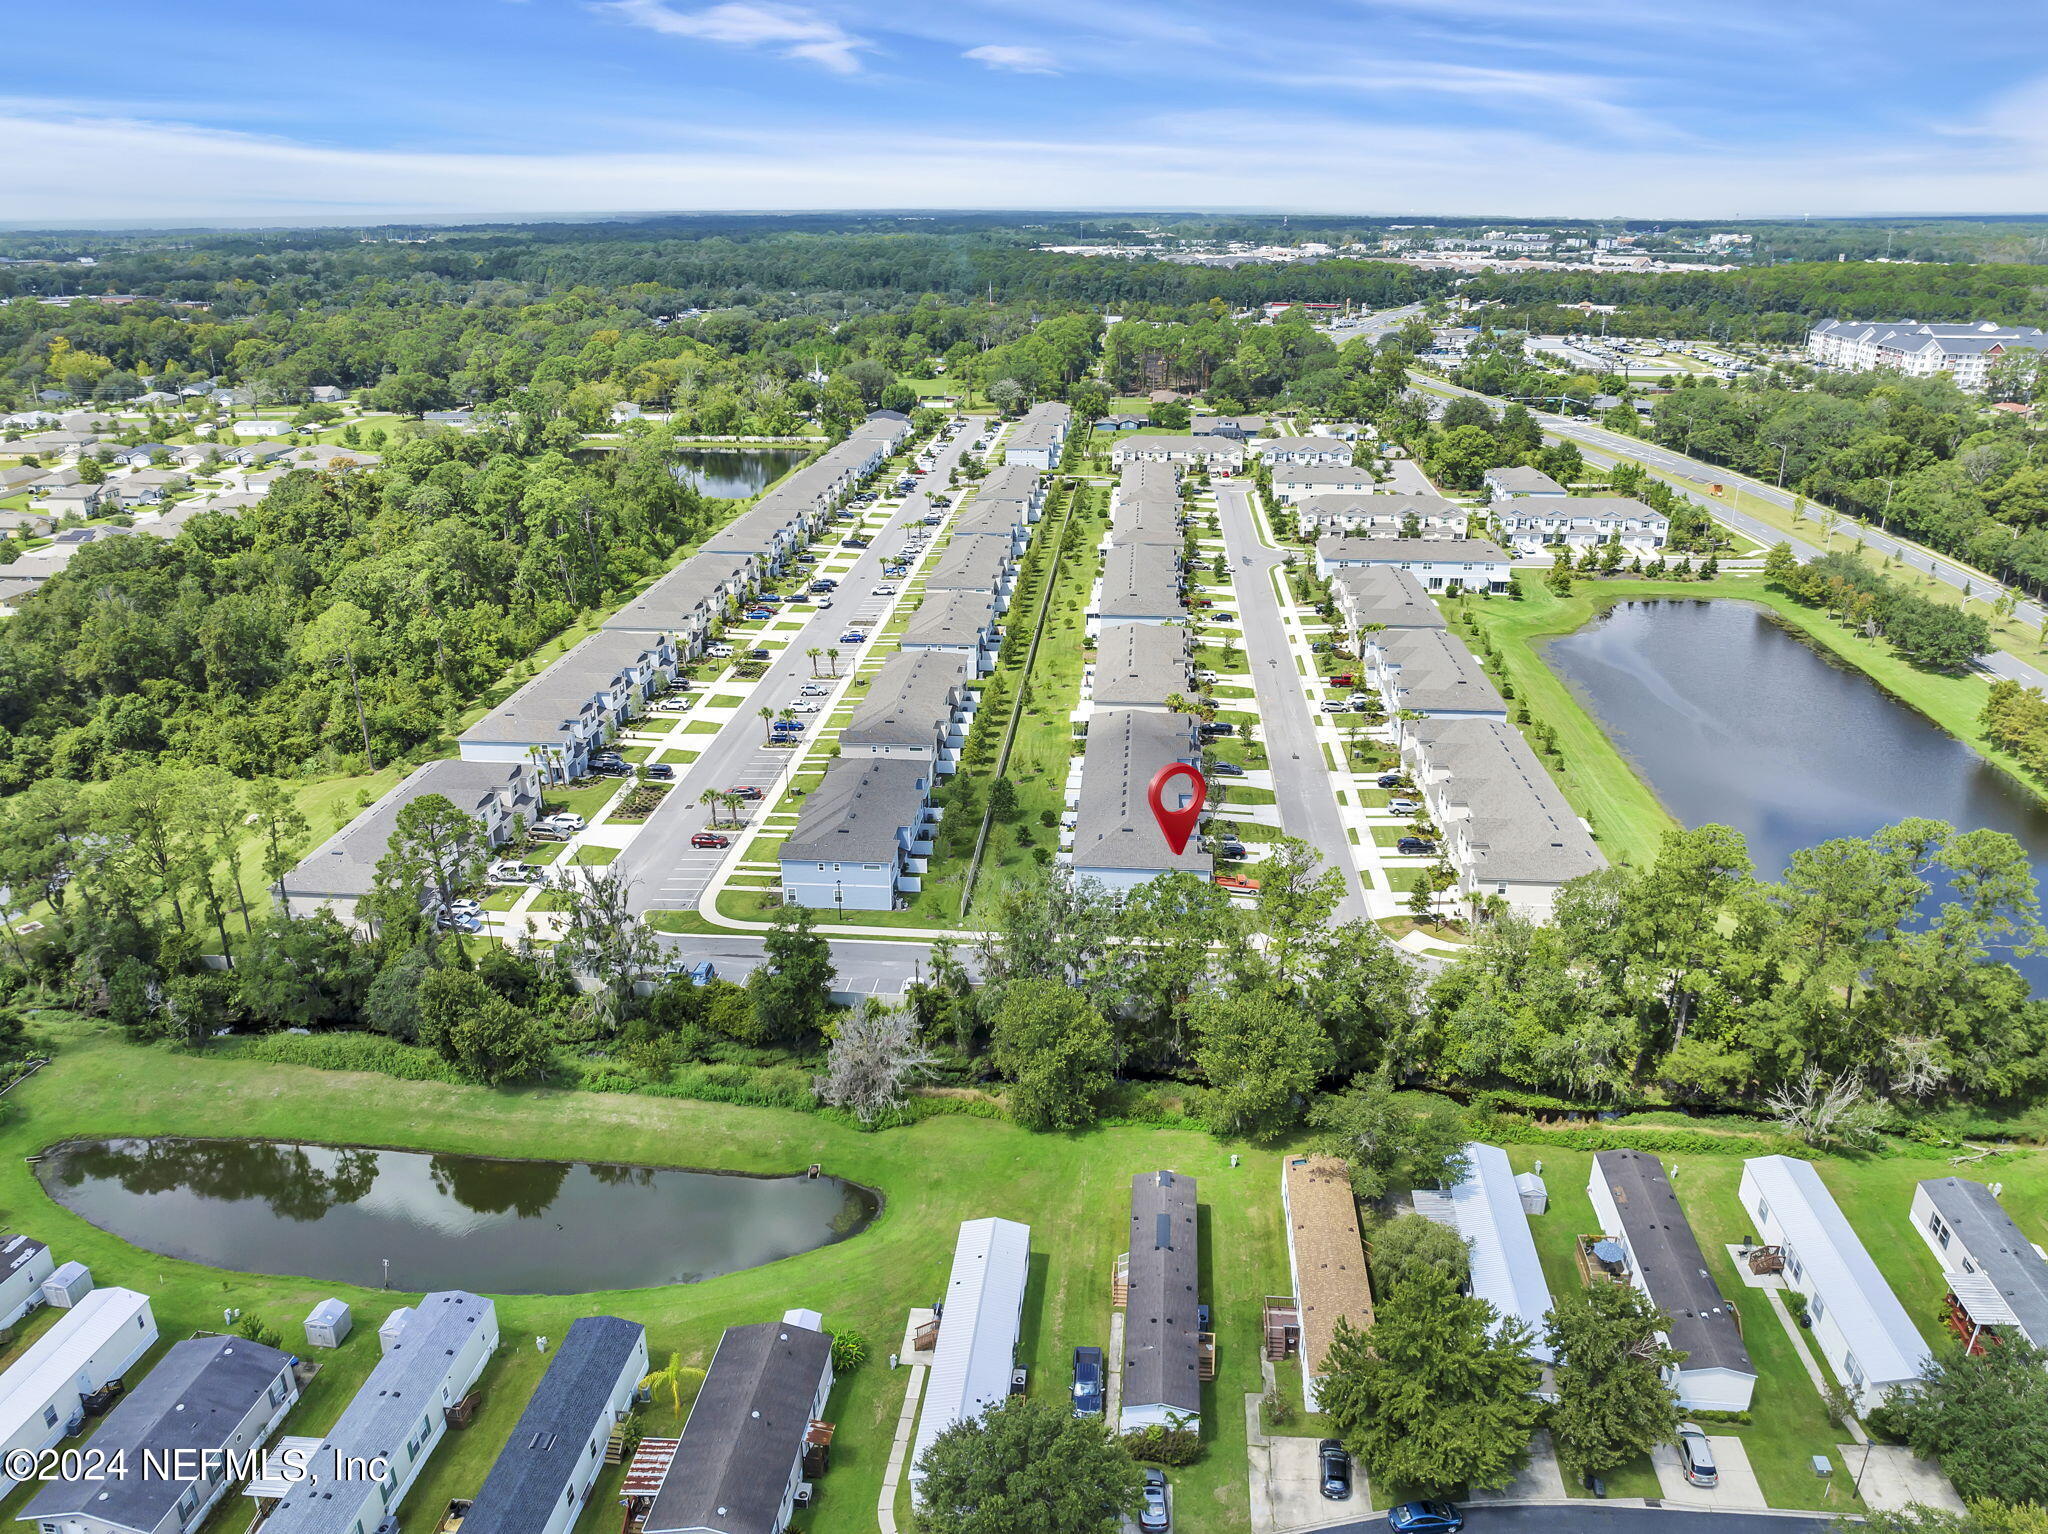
(1138, 621)
(1228, 454)
(1535, 513)
(1505, 829)
(547, 731)
(865, 837)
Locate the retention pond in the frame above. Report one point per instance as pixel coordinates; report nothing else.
(735, 473)
(1734, 719)
(444, 1221)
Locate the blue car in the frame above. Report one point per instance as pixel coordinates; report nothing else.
(853, 639)
(1088, 1377)
(1425, 1518)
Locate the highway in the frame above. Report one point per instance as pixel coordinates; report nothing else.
(1301, 775)
(1604, 446)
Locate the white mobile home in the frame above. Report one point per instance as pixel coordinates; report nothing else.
(1638, 1208)
(399, 1415)
(24, 1263)
(977, 1350)
(1486, 1209)
(1862, 1329)
(542, 1478)
(1998, 1279)
(40, 1396)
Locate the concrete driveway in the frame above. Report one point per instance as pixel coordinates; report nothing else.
(1738, 1490)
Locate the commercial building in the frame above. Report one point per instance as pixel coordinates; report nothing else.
(1468, 564)
(977, 1348)
(1326, 1256)
(738, 1466)
(1638, 1208)
(917, 708)
(42, 1392)
(544, 1475)
(162, 1458)
(863, 837)
(1998, 1279)
(1967, 352)
(433, 1353)
(1485, 1208)
(343, 869)
(1857, 1322)
(1163, 1336)
(1116, 840)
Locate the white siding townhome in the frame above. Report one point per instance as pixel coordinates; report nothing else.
(42, 1392)
(1116, 840)
(1223, 455)
(1535, 523)
(977, 1348)
(1294, 482)
(1860, 1326)
(918, 708)
(1039, 437)
(1472, 564)
(1502, 484)
(864, 835)
(166, 1444)
(1637, 1207)
(1299, 452)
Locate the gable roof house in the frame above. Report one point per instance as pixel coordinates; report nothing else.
(1326, 1255)
(1116, 840)
(1638, 1207)
(1302, 451)
(544, 1475)
(918, 707)
(42, 1393)
(863, 836)
(739, 1461)
(24, 1263)
(1140, 583)
(1998, 1279)
(1506, 482)
(1139, 665)
(977, 1347)
(1380, 515)
(956, 622)
(167, 1441)
(1858, 1322)
(1292, 482)
(1485, 1208)
(1162, 1384)
(433, 1353)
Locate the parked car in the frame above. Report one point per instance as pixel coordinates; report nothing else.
(507, 872)
(745, 792)
(562, 820)
(1389, 780)
(703, 972)
(1696, 1456)
(447, 921)
(710, 839)
(1200, 602)
(660, 771)
(1206, 676)
(813, 690)
(1336, 706)
(1230, 849)
(883, 591)
(1088, 1377)
(934, 520)
(853, 543)
(466, 907)
(1344, 679)
(1237, 885)
(1415, 845)
(852, 636)
(803, 708)
(1153, 1517)
(756, 614)
(1219, 728)
(788, 726)
(719, 651)
(1403, 806)
(1425, 1518)
(1224, 770)
(1336, 1468)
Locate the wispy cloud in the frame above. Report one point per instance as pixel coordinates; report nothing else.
(1018, 60)
(790, 31)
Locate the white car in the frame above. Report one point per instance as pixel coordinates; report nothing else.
(803, 708)
(883, 591)
(466, 907)
(566, 821)
(812, 690)
(509, 873)
(719, 651)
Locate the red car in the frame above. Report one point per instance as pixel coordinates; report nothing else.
(745, 793)
(1345, 679)
(710, 839)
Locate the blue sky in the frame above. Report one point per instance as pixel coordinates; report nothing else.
(438, 108)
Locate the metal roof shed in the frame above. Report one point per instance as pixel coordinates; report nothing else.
(1486, 1207)
(984, 1307)
(1870, 1341)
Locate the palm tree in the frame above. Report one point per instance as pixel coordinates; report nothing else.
(785, 715)
(673, 1378)
(767, 717)
(833, 655)
(812, 655)
(713, 798)
(732, 803)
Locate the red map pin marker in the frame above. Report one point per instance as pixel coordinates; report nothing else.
(1176, 825)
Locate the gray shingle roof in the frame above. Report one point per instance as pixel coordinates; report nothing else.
(958, 618)
(908, 700)
(1999, 1248)
(1669, 1260)
(1523, 481)
(691, 585)
(1140, 580)
(1384, 594)
(540, 1460)
(193, 1400)
(1113, 823)
(745, 1432)
(345, 864)
(1161, 1367)
(970, 564)
(856, 813)
(1395, 551)
(1137, 665)
(1521, 828)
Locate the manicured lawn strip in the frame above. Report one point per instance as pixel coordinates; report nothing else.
(585, 801)
(1072, 1190)
(593, 856)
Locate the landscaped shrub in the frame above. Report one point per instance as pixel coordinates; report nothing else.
(344, 1051)
(1169, 1446)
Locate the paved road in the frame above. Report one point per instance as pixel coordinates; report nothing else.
(866, 968)
(663, 870)
(1372, 326)
(1590, 1517)
(1605, 445)
(1301, 775)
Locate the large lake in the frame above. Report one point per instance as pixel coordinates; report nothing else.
(1731, 718)
(463, 1222)
(736, 473)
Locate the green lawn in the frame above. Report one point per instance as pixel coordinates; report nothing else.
(1072, 1189)
(585, 801)
(592, 857)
